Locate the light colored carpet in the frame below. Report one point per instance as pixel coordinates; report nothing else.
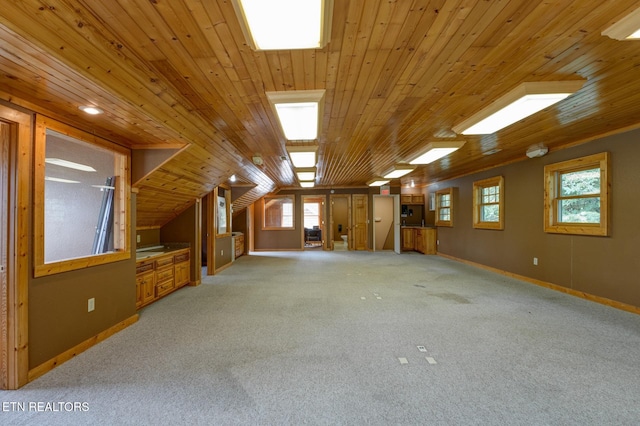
(333, 338)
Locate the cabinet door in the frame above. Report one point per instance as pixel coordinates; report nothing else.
(182, 274)
(408, 239)
(430, 241)
(405, 199)
(420, 240)
(145, 288)
(417, 199)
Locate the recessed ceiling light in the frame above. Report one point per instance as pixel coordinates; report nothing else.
(436, 150)
(399, 171)
(90, 109)
(521, 102)
(285, 24)
(627, 28)
(103, 187)
(306, 174)
(69, 164)
(55, 179)
(302, 156)
(378, 182)
(298, 112)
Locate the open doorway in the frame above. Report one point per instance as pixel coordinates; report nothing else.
(340, 235)
(386, 223)
(313, 213)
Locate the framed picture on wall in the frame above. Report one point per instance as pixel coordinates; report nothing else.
(222, 212)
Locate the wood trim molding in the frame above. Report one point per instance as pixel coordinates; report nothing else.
(47, 366)
(14, 303)
(587, 296)
(122, 200)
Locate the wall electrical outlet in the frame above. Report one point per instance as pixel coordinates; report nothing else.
(91, 304)
(535, 261)
(221, 252)
(138, 238)
(437, 242)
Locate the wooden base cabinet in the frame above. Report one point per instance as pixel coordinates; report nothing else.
(426, 240)
(157, 277)
(239, 248)
(145, 288)
(408, 239)
(422, 240)
(182, 274)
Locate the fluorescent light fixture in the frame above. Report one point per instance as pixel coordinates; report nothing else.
(103, 187)
(627, 28)
(523, 101)
(69, 164)
(90, 109)
(399, 171)
(307, 184)
(285, 24)
(378, 182)
(306, 174)
(298, 112)
(302, 156)
(55, 179)
(436, 150)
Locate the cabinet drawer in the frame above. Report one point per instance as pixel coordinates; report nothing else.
(163, 261)
(181, 257)
(164, 287)
(164, 274)
(144, 267)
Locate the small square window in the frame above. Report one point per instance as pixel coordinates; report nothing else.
(488, 203)
(577, 196)
(444, 207)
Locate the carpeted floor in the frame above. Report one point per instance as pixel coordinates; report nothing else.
(353, 338)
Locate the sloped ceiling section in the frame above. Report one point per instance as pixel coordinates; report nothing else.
(397, 73)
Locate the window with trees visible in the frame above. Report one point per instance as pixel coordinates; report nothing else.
(577, 196)
(488, 203)
(444, 207)
(278, 212)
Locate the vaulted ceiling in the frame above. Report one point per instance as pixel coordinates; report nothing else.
(397, 74)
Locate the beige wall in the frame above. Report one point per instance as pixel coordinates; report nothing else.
(601, 266)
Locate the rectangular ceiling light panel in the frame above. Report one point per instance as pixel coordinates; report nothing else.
(627, 28)
(69, 164)
(306, 174)
(285, 24)
(307, 184)
(299, 121)
(298, 113)
(399, 171)
(302, 156)
(378, 182)
(436, 150)
(521, 102)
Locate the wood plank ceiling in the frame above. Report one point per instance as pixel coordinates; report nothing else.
(397, 74)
